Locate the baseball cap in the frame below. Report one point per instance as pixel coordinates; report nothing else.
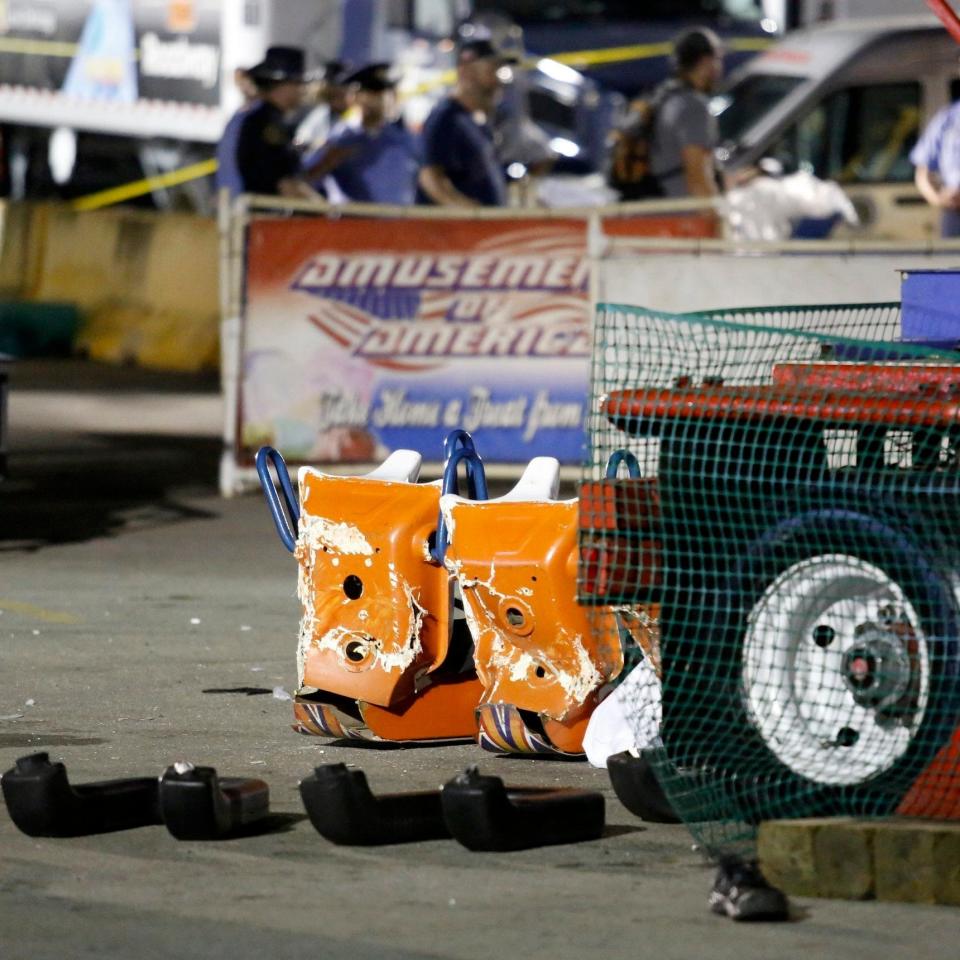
(335, 72)
(374, 77)
(279, 64)
(481, 49)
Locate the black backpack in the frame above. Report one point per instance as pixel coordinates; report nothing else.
(630, 174)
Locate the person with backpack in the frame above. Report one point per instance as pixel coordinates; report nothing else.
(667, 148)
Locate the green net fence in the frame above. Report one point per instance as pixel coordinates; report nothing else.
(790, 525)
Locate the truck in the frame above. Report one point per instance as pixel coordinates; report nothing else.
(625, 45)
(846, 101)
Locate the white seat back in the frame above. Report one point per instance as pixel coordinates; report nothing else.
(540, 481)
(402, 466)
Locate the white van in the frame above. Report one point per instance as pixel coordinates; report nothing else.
(846, 102)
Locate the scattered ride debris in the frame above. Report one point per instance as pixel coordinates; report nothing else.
(193, 802)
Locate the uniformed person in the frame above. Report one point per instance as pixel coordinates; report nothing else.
(266, 159)
(371, 158)
(332, 98)
(228, 176)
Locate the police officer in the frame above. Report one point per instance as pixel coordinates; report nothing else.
(228, 176)
(374, 158)
(266, 160)
(937, 160)
(331, 99)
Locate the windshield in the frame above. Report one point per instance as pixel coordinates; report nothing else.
(555, 11)
(746, 101)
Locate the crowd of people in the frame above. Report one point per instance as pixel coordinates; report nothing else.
(351, 144)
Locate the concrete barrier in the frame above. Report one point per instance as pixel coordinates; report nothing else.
(145, 282)
(902, 859)
(20, 257)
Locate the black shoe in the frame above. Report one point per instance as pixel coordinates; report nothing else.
(740, 892)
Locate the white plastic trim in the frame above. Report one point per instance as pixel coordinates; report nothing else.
(402, 466)
(540, 481)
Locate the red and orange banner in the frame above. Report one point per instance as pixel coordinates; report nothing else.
(363, 336)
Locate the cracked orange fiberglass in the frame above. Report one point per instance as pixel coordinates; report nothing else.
(376, 608)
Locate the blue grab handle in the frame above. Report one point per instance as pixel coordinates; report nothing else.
(456, 439)
(457, 447)
(476, 476)
(266, 455)
(622, 457)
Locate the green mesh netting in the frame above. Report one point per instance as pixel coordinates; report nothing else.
(793, 525)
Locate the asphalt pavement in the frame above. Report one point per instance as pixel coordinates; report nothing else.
(145, 620)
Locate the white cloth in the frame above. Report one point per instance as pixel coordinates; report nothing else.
(628, 719)
(575, 191)
(766, 208)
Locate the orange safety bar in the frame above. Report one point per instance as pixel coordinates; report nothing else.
(935, 794)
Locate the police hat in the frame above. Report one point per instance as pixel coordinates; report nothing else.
(374, 77)
(481, 49)
(335, 72)
(280, 64)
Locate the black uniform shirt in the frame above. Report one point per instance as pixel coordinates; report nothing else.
(265, 153)
(463, 149)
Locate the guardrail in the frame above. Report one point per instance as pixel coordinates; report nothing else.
(144, 282)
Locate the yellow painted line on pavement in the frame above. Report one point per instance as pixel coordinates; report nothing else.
(126, 191)
(37, 613)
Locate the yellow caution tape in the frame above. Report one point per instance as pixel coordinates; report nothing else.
(573, 58)
(42, 48)
(45, 48)
(750, 44)
(640, 51)
(445, 79)
(590, 58)
(138, 188)
(646, 51)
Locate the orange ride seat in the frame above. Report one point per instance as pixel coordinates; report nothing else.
(539, 655)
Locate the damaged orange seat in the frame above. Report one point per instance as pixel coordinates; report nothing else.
(539, 655)
(377, 610)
